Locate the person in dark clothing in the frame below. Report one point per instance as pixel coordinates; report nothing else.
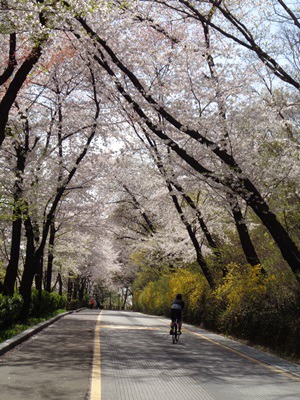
(177, 308)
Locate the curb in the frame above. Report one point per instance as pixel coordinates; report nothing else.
(21, 337)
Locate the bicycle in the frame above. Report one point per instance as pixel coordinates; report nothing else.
(175, 335)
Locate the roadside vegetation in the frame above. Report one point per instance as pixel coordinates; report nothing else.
(247, 306)
(16, 328)
(49, 305)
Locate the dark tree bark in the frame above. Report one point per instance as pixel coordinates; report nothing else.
(21, 151)
(60, 284)
(12, 268)
(245, 239)
(76, 288)
(82, 288)
(16, 84)
(12, 62)
(125, 298)
(70, 289)
(200, 259)
(28, 273)
(50, 257)
(149, 225)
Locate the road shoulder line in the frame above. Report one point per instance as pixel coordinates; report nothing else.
(275, 363)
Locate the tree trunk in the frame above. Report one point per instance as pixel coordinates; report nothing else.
(200, 259)
(11, 62)
(246, 242)
(125, 299)
(60, 285)
(288, 249)
(38, 270)
(211, 242)
(12, 268)
(50, 257)
(70, 289)
(17, 82)
(75, 288)
(29, 270)
(81, 289)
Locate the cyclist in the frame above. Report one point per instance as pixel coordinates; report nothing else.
(176, 313)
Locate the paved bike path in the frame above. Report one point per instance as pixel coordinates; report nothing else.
(54, 364)
(139, 362)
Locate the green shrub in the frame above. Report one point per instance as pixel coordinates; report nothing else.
(75, 304)
(10, 307)
(46, 303)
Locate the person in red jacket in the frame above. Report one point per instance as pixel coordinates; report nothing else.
(92, 303)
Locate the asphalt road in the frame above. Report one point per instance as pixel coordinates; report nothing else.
(54, 364)
(129, 356)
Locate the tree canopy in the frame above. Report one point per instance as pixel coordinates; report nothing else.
(142, 137)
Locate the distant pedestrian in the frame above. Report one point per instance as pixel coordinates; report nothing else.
(92, 303)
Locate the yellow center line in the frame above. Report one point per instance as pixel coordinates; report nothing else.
(95, 393)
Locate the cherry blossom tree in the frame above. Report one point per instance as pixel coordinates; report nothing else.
(54, 157)
(212, 87)
(140, 95)
(247, 26)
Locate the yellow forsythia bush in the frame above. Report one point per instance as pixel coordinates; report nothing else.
(144, 300)
(259, 308)
(240, 297)
(193, 287)
(246, 304)
(156, 297)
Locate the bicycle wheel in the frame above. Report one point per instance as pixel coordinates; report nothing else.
(174, 333)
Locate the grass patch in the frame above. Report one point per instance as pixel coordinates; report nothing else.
(19, 328)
